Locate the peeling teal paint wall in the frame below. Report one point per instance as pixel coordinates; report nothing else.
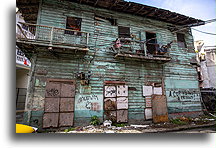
(178, 74)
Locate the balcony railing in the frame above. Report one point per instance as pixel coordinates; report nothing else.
(138, 49)
(41, 34)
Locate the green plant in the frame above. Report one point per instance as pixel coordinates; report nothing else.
(69, 129)
(95, 120)
(178, 121)
(119, 124)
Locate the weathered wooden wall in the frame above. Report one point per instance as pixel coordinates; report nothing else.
(178, 74)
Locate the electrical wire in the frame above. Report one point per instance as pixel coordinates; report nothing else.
(204, 32)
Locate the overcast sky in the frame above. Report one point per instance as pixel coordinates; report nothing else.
(199, 9)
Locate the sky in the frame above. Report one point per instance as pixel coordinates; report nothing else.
(199, 9)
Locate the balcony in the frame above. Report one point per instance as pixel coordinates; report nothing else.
(134, 49)
(51, 37)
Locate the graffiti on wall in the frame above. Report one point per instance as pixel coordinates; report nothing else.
(184, 94)
(91, 102)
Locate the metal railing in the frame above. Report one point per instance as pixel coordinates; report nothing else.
(51, 35)
(130, 46)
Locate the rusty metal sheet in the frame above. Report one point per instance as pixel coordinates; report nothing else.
(122, 116)
(148, 101)
(51, 105)
(158, 91)
(159, 108)
(66, 119)
(66, 104)
(53, 89)
(67, 90)
(110, 91)
(50, 120)
(147, 90)
(122, 103)
(110, 115)
(110, 103)
(148, 113)
(122, 90)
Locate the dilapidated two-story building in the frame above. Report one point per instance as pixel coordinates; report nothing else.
(117, 60)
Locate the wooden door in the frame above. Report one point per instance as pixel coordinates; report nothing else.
(59, 103)
(159, 108)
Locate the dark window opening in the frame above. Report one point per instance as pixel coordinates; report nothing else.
(181, 40)
(123, 32)
(73, 23)
(151, 43)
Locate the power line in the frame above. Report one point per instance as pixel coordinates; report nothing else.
(204, 32)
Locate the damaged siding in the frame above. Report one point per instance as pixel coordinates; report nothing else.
(178, 75)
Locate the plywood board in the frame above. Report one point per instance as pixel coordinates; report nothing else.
(66, 104)
(147, 90)
(66, 119)
(158, 91)
(110, 91)
(110, 115)
(148, 113)
(67, 90)
(122, 116)
(50, 120)
(159, 109)
(122, 90)
(122, 103)
(53, 89)
(51, 105)
(110, 103)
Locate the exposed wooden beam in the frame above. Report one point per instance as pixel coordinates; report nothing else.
(127, 7)
(96, 3)
(139, 10)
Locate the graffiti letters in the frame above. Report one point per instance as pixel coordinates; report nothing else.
(184, 95)
(87, 98)
(52, 92)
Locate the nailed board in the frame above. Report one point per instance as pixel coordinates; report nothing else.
(122, 90)
(147, 90)
(66, 104)
(158, 91)
(122, 116)
(148, 113)
(50, 120)
(110, 91)
(122, 103)
(110, 115)
(66, 119)
(159, 109)
(148, 102)
(51, 105)
(110, 103)
(53, 89)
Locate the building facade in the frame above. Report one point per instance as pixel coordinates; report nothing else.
(120, 61)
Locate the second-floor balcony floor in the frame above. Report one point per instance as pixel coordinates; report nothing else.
(52, 37)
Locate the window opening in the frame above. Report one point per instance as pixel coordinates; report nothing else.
(73, 23)
(151, 43)
(181, 40)
(123, 32)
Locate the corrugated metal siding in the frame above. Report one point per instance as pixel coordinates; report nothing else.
(178, 74)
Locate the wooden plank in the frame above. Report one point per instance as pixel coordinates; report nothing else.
(53, 89)
(67, 90)
(50, 120)
(51, 105)
(122, 116)
(159, 109)
(110, 115)
(110, 103)
(122, 103)
(66, 119)
(66, 104)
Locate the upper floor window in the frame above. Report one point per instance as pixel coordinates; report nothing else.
(181, 40)
(73, 23)
(151, 43)
(123, 32)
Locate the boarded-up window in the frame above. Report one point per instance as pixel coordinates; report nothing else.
(59, 103)
(73, 23)
(181, 40)
(151, 42)
(123, 32)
